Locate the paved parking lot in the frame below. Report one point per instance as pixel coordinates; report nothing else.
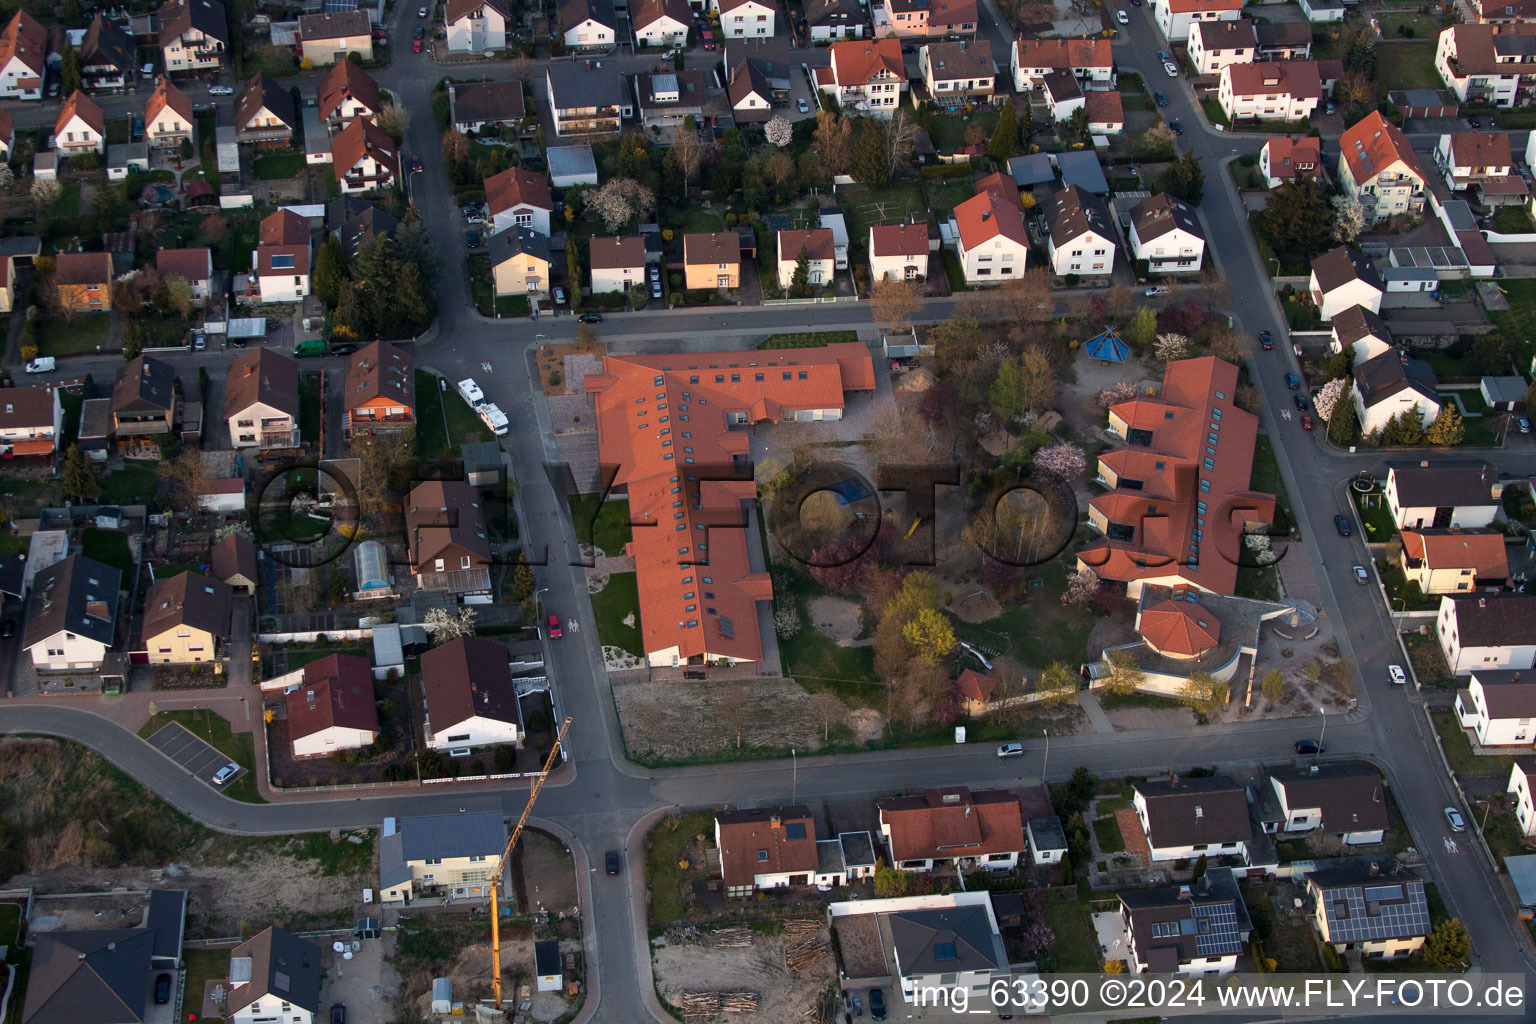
(363, 984)
(192, 753)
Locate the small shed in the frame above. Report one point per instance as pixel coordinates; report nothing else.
(1410, 279)
(109, 517)
(482, 463)
(546, 966)
(125, 158)
(1107, 347)
(367, 928)
(975, 690)
(571, 165)
(388, 652)
(1047, 840)
(372, 564)
(1506, 393)
(1034, 169)
(45, 166)
(442, 995)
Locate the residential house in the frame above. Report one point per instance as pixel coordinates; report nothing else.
(1047, 840)
(1521, 775)
(233, 560)
(1481, 161)
(445, 535)
(1454, 560)
(835, 19)
(765, 848)
(1177, 17)
(364, 158)
(144, 401)
(264, 113)
(81, 127)
(1170, 497)
(1282, 40)
(588, 24)
(1063, 96)
(662, 23)
(898, 252)
(194, 266)
(108, 56)
(1499, 12)
(334, 35)
(355, 222)
(745, 19)
(1283, 91)
(1379, 168)
(193, 36)
(616, 264)
(105, 975)
(1344, 277)
(333, 709)
(1283, 159)
(1442, 494)
(1082, 235)
(957, 73)
(1106, 112)
(990, 237)
(1487, 631)
(1215, 44)
(23, 58)
(751, 92)
(1499, 707)
(380, 391)
(1390, 384)
(83, 281)
(261, 400)
(969, 830)
(692, 612)
(666, 99)
(927, 19)
(7, 134)
(452, 854)
(186, 618)
(585, 100)
(31, 419)
(711, 260)
(1356, 908)
(519, 259)
(1488, 63)
(1090, 61)
(1360, 332)
(477, 106)
(347, 93)
(476, 26)
(1187, 818)
(866, 76)
(948, 948)
(280, 264)
(1345, 800)
(1189, 930)
(72, 615)
(274, 975)
(816, 245)
(1166, 233)
(471, 700)
(169, 118)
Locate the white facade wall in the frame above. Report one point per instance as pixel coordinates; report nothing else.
(1173, 252)
(328, 741)
(1088, 255)
(478, 32)
(65, 651)
(1380, 414)
(474, 732)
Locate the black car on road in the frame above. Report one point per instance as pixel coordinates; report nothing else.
(1341, 523)
(612, 860)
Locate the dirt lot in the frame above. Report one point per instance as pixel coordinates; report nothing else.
(784, 995)
(62, 914)
(661, 718)
(471, 976)
(546, 877)
(838, 618)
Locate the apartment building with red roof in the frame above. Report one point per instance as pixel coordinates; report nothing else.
(23, 58)
(280, 263)
(928, 19)
(1488, 63)
(1377, 165)
(990, 237)
(664, 431)
(364, 158)
(898, 252)
(333, 709)
(1089, 60)
(518, 198)
(967, 830)
(816, 244)
(1215, 44)
(446, 541)
(194, 266)
(345, 93)
(1270, 90)
(1453, 560)
(1176, 17)
(1179, 499)
(866, 76)
(379, 392)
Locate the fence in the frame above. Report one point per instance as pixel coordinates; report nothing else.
(310, 636)
(811, 301)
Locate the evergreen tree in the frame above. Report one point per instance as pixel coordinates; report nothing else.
(1448, 428)
(1005, 137)
(133, 338)
(78, 476)
(1298, 220)
(330, 269)
(1343, 428)
(1183, 179)
(69, 70)
(1407, 427)
(1078, 126)
(800, 283)
(414, 245)
(573, 270)
(869, 166)
(1448, 946)
(1005, 395)
(1142, 329)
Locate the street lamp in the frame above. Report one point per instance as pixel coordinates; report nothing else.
(1321, 735)
(1045, 760)
(794, 776)
(539, 601)
(410, 184)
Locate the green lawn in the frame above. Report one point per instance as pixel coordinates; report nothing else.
(1512, 220)
(203, 965)
(889, 205)
(1516, 325)
(1267, 479)
(664, 847)
(1213, 111)
(134, 484)
(809, 339)
(1407, 65)
(954, 272)
(1429, 665)
(1420, 26)
(85, 333)
(431, 431)
(278, 166)
(1403, 595)
(1134, 101)
(10, 921)
(1076, 948)
(1459, 752)
(944, 194)
(616, 602)
(1040, 628)
(948, 130)
(692, 220)
(110, 547)
(298, 659)
(1108, 832)
(606, 526)
(1115, 701)
(215, 729)
(464, 426)
(1259, 582)
(1377, 518)
(309, 406)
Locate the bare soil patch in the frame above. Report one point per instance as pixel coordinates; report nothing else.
(867, 724)
(976, 606)
(680, 720)
(784, 995)
(837, 618)
(552, 357)
(1137, 719)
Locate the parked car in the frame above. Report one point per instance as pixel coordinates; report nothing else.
(1361, 576)
(226, 773)
(611, 859)
(1306, 422)
(559, 296)
(1524, 424)
(338, 1013)
(1266, 340)
(416, 46)
(1122, 17)
(1454, 819)
(591, 318)
(1158, 289)
(42, 364)
(1309, 747)
(1292, 381)
(1171, 69)
(708, 38)
(803, 106)
(1330, 108)
(876, 1004)
(554, 628)
(1010, 750)
(472, 239)
(1397, 675)
(221, 90)
(1162, 55)
(236, 342)
(138, 129)
(655, 289)
(654, 272)
(162, 989)
(1178, 128)
(1162, 100)
(1342, 524)
(420, 32)
(7, 629)
(421, 12)
(199, 342)
(343, 350)
(1301, 401)
(415, 163)
(1474, 122)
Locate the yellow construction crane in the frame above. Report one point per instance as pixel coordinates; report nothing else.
(506, 857)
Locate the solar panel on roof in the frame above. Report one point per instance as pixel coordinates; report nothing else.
(795, 830)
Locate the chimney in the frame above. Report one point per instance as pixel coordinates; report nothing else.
(1199, 812)
(1375, 869)
(250, 368)
(1482, 602)
(1184, 892)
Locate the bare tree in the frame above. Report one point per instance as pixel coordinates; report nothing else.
(1121, 302)
(185, 475)
(687, 155)
(779, 167)
(1037, 378)
(833, 142)
(395, 119)
(829, 708)
(1025, 299)
(900, 140)
(1215, 292)
(381, 460)
(736, 709)
(444, 625)
(893, 303)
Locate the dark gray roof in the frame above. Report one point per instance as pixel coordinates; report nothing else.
(1062, 85)
(479, 456)
(1046, 834)
(1495, 620)
(107, 45)
(78, 594)
(1078, 212)
(829, 856)
(1208, 920)
(1392, 372)
(167, 918)
(1444, 484)
(1505, 389)
(1083, 170)
(1283, 33)
(362, 227)
(858, 848)
(1195, 812)
(207, 16)
(1508, 694)
(474, 102)
(943, 941)
(1034, 169)
(516, 241)
(748, 79)
(1361, 907)
(1358, 322)
(579, 84)
(1350, 796)
(546, 957)
(283, 965)
(833, 12)
(260, 92)
(474, 833)
(574, 12)
(89, 977)
(1157, 215)
(1338, 267)
(144, 384)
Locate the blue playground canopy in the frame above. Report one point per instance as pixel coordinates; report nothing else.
(1107, 347)
(849, 491)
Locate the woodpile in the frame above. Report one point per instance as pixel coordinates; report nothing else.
(709, 1004)
(801, 927)
(803, 954)
(731, 938)
(823, 1010)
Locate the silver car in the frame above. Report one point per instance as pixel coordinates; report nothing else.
(1010, 750)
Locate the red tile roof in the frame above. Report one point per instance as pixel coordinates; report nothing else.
(607, 253)
(861, 61)
(975, 686)
(953, 822)
(346, 81)
(362, 138)
(1064, 54)
(758, 842)
(817, 243)
(167, 95)
(72, 268)
(994, 210)
(25, 39)
(1104, 107)
(81, 104)
(516, 187)
(1179, 629)
(1203, 6)
(710, 249)
(1289, 157)
(284, 228)
(1480, 149)
(1297, 79)
(1373, 144)
(1480, 550)
(193, 264)
(337, 691)
(1160, 516)
(898, 240)
(648, 445)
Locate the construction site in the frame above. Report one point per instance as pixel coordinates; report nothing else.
(779, 971)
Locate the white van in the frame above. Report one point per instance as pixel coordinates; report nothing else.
(42, 364)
